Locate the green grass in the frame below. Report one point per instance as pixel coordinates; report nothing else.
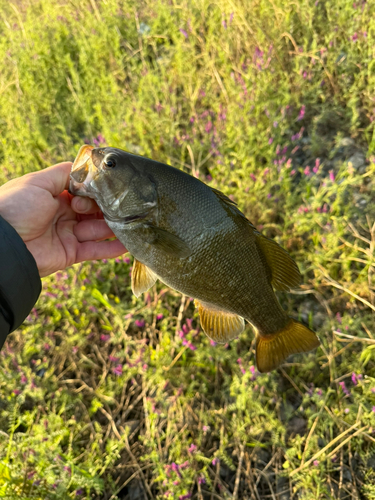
(102, 393)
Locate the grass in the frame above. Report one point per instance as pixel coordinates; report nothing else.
(106, 396)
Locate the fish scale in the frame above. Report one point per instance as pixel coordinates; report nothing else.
(195, 240)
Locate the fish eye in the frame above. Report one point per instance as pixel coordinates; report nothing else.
(109, 163)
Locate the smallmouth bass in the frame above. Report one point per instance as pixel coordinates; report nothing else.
(195, 240)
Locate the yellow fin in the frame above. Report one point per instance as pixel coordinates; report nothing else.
(218, 325)
(272, 350)
(284, 271)
(142, 278)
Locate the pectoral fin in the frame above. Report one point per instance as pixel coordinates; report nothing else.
(167, 242)
(142, 278)
(219, 325)
(284, 271)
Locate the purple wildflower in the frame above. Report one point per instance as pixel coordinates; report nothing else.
(206, 428)
(354, 38)
(346, 410)
(316, 463)
(215, 461)
(231, 17)
(208, 127)
(176, 469)
(275, 124)
(301, 113)
(307, 170)
(79, 492)
(224, 23)
(104, 338)
(159, 317)
(252, 176)
(192, 448)
(344, 388)
(373, 409)
(183, 32)
(184, 497)
(332, 175)
(113, 359)
(192, 347)
(99, 140)
(117, 370)
(189, 323)
(270, 141)
(201, 480)
(140, 323)
(16, 392)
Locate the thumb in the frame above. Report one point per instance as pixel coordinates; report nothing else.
(83, 205)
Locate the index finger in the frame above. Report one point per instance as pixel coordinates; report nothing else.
(54, 179)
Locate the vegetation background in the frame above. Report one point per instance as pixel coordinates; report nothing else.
(106, 396)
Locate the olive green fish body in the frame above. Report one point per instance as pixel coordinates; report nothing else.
(195, 240)
(224, 268)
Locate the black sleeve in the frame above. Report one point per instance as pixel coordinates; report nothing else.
(20, 284)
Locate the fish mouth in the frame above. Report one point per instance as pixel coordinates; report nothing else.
(83, 172)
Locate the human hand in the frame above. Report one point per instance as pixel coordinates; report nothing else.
(58, 229)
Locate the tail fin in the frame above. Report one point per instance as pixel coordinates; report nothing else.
(272, 350)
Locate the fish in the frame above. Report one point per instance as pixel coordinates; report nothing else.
(195, 240)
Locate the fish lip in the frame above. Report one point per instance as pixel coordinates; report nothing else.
(83, 162)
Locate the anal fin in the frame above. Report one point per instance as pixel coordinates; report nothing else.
(218, 325)
(272, 350)
(142, 278)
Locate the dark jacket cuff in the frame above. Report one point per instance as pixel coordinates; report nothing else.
(20, 284)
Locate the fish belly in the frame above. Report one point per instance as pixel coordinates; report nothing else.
(224, 270)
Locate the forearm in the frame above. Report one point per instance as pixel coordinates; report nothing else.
(20, 284)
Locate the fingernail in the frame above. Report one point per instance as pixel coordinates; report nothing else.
(83, 204)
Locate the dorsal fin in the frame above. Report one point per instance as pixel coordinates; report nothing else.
(284, 271)
(223, 197)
